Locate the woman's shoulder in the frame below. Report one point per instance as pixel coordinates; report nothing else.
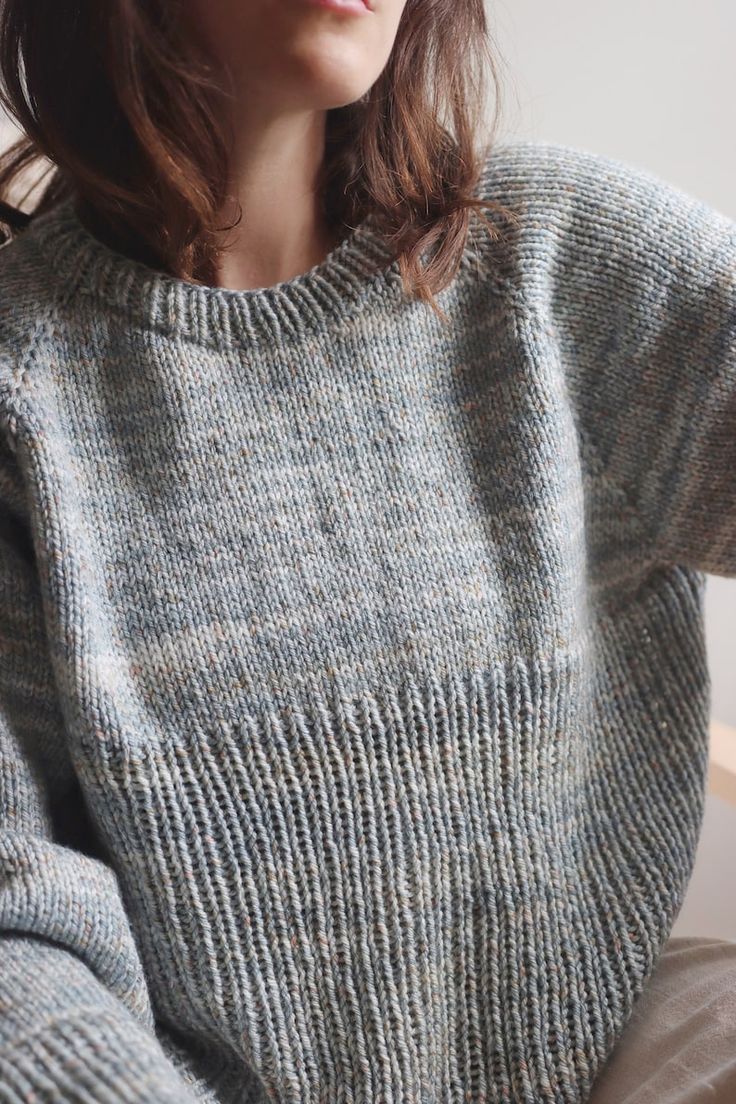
(28, 315)
(554, 175)
(578, 210)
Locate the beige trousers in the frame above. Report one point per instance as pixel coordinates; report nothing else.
(679, 1047)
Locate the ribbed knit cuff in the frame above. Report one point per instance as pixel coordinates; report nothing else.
(66, 1036)
(92, 1057)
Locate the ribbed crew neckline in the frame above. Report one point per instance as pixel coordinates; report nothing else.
(358, 268)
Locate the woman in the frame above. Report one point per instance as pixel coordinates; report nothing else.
(353, 681)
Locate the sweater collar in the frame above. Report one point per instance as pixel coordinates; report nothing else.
(358, 269)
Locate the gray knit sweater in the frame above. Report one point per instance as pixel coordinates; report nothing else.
(353, 689)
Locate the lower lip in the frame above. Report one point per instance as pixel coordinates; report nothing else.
(345, 7)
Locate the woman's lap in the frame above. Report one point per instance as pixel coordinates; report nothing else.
(679, 1046)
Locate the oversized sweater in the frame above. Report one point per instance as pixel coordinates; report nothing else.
(353, 688)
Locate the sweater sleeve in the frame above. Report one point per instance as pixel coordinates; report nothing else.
(76, 1022)
(641, 282)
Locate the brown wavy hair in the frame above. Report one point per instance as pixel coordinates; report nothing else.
(127, 109)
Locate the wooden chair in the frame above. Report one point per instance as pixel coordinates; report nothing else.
(722, 769)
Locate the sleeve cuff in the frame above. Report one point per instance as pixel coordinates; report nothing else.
(66, 1037)
(92, 1057)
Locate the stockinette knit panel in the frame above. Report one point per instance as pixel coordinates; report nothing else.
(353, 688)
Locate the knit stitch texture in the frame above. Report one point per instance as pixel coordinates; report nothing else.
(353, 689)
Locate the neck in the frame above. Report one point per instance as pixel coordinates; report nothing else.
(282, 232)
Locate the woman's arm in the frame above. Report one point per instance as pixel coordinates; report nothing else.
(636, 280)
(76, 1022)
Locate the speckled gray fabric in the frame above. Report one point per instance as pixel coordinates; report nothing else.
(353, 687)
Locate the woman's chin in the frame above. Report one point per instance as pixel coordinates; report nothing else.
(323, 86)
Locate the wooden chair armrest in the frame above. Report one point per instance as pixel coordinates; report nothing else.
(722, 768)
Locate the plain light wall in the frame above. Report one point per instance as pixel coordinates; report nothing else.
(653, 84)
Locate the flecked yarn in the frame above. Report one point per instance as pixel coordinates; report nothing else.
(353, 689)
